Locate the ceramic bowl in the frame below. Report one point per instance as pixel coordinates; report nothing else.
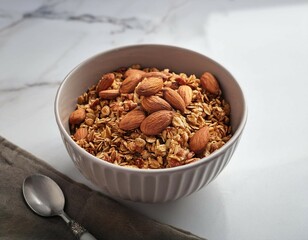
(148, 185)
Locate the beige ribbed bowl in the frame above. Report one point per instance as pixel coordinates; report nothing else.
(148, 185)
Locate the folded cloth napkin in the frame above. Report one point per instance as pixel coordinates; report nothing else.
(100, 215)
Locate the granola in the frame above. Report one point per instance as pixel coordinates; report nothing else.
(103, 106)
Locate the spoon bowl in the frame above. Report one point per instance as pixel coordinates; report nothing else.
(45, 197)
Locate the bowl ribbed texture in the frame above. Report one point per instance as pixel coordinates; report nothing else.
(150, 185)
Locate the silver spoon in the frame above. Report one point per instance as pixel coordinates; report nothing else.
(45, 197)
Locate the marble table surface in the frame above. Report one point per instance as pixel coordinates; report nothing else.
(262, 194)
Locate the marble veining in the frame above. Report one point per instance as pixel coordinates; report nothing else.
(50, 11)
(29, 86)
(47, 12)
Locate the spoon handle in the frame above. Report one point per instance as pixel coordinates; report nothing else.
(80, 232)
(87, 236)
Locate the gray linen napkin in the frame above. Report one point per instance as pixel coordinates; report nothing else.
(100, 215)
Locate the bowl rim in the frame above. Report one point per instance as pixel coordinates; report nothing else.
(235, 137)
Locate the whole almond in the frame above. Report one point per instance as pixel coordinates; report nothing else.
(81, 133)
(155, 103)
(210, 83)
(162, 75)
(77, 117)
(149, 86)
(199, 140)
(156, 122)
(129, 84)
(105, 82)
(132, 120)
(175, 100)
(186, 93)
(132, 71)
(109, 94)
